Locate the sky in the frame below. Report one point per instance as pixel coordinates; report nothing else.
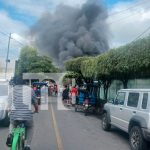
(126, 20)
(27, 15)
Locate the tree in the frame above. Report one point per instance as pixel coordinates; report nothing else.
(30, 62)
(72, 75)
(27, 57)
(75, 64)
(126, 62)
(88, 68)
(103, 72)
(42, 64)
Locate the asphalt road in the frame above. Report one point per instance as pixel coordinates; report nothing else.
(67, 130)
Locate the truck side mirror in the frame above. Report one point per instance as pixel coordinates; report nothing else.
(111, 101)
(116, 101)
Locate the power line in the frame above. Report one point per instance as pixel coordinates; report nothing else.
(18, 42)
(5, 41)
(131, 45)
(3, 38)
(125, 10)
(4, 33)
(141, 34)
(12, 38)
(122, 11)
(116, 21)
(119, 20)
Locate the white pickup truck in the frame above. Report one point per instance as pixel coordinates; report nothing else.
(130, 111)
(4, 90)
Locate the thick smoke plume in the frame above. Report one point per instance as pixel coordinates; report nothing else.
(71, 32)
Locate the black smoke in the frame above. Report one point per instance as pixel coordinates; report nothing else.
(71, 32)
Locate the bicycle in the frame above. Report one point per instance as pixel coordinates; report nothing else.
(18, 133)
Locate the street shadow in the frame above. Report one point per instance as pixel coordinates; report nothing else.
(119, 133)
(123, 135)
(114, 130)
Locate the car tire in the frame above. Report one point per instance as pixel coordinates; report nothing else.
(105, 122)
(6, 121)
(136, 139)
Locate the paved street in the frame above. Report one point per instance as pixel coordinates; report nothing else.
(74, 131)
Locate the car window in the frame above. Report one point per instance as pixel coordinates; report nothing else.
(120, 98)
(144, 101)
(133, 99)
(3, 90)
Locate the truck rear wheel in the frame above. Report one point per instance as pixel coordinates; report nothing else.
(105, 123)
(136, 140)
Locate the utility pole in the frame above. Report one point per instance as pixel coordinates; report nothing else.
(7, 60)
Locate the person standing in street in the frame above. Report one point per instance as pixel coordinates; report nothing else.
(35, 102)
(74, 93)
(65, 95)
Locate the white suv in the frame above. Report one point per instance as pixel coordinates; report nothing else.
(4, 89)
(130, 111)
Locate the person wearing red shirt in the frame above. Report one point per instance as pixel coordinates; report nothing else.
(74, 93)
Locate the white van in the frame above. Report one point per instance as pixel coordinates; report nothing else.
(4, 90)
